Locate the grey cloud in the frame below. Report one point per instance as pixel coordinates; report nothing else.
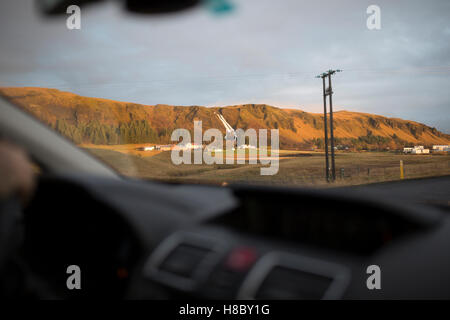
(265, 51)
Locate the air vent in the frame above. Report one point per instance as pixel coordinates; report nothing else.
(183, 260)
(287, 276)
(285, 283)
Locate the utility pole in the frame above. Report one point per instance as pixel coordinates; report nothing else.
(330, 176)
(327, 164)
(333, 168)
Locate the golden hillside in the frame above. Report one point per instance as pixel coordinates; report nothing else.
(103, 121)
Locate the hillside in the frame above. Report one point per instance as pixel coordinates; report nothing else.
(102, 121)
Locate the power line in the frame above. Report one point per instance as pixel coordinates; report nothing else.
(258, 76)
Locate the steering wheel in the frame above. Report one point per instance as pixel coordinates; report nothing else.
(11, 229)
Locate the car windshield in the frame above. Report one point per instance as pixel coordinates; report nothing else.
(290, 93)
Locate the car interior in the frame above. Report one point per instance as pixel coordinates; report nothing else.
(92, 92)
(140, 239)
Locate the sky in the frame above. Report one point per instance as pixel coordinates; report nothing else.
(261, 51)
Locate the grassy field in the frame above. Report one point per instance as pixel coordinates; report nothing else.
(296, 168)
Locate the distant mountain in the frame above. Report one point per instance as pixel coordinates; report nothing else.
(102, 121)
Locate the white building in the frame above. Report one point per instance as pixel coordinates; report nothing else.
(165, 147)
(246, 146)
(188, 146)
(216, 150)
(442, 148)
(149, 148)
(422, 151)
(416, 150)
(408, 149)
(193, 146)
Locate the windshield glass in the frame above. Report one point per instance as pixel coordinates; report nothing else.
(235, 91)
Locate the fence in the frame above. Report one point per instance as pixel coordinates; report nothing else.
(367, 174)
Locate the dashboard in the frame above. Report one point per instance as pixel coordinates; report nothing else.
(155, 241)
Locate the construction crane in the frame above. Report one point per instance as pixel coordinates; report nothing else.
(230, 132)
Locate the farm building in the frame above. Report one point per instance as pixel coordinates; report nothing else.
(188, 146)
(416, 150)
(246, 146)
(211, 149)
(150, 148)
(441, 148)
(408, 149)
(165, 147)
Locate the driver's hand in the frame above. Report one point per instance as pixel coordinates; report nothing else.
(16, 173)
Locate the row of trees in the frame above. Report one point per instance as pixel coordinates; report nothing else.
(367, 142)
(138, 131)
